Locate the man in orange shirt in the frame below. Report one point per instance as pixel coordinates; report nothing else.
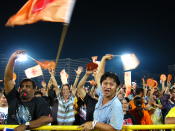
(142, 116)
(139, 93)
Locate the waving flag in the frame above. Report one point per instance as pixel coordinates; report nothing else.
(130, 61)
(34, 71)
(45, 10)
(46, 64)
(64, 76)
(127, 79)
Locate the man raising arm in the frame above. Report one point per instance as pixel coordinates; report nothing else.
(24, 110)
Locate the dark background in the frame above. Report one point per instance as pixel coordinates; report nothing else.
(100, 27)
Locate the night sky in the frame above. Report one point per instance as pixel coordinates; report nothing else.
(98, 27)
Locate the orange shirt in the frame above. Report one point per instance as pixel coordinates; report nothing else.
(146, 120)
(131, 103)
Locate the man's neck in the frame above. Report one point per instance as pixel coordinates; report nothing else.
(3, 106)
(66, 98)
(23, 100)
(107, 99)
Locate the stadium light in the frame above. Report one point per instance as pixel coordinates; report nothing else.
(22, 57)
(129, 61)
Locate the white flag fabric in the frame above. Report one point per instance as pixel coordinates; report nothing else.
(127, 77)
(130, 61)
(34, 71)
(64, 76)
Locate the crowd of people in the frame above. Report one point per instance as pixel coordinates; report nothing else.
(104, 106)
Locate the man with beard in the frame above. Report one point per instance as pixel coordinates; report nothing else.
(24, 109)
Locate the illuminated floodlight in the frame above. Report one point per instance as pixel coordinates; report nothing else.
(130, 61)
(22, 57)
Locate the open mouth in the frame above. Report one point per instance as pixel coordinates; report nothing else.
(24, 93)
(107, 91)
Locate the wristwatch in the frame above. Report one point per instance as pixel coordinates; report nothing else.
(27, 124)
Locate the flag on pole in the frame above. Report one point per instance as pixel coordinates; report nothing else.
(64, 76)
(130, 61)
(46, 64)
(127, 78)
(45, 10)
(34, 71)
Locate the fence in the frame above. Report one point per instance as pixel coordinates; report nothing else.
(125, 128)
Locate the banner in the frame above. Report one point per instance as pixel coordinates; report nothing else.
(34, 71)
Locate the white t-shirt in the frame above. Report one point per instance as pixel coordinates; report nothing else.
(3, 114)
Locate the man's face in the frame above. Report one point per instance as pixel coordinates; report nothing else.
(109, 87)
(26, 90)
(120, 96)
(65, 91)
(3, 101)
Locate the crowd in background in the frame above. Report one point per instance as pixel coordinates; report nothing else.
(76, 104)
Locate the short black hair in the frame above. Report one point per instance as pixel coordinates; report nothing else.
(26, 80)
(138, 101)
(1, 92)
(127, 99)
(139, 90)
(110, 75)
(65, 85)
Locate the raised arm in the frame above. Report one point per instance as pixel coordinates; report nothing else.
(8, 76)
(101, 68)
(78, 73)
(80, 88)
(54, 82)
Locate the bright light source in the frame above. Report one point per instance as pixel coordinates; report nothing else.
(22, 57)
(129, 61)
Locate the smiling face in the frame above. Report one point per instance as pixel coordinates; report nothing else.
(65, 91)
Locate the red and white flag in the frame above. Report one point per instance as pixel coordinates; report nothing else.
(34, 71)
(127, 79)
(45, 10)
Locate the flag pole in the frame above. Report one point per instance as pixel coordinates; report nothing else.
(63, 35)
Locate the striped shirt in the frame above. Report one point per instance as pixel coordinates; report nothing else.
(65, 114)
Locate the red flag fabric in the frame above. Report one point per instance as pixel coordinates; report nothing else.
(46, 64)
(91, 66)
(45, 10)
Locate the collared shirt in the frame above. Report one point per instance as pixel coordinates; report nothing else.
(110, 113)
(65, 114)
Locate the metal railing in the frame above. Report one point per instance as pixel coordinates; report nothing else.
(76, 128)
